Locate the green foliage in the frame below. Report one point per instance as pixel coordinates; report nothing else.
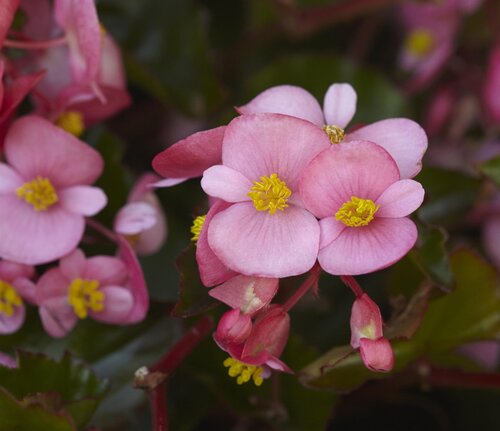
(491, 168)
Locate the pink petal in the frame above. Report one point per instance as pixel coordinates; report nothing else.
(9, 271)
(288, 100)
(404, 140)
(169, 182)
(491, 239)
(36, 237)
(226, 183)
(212, 270)
(73, 265)
(105, 269)
(191, 156)
(340, 104)
(135, 218)
(249, 294)
(84, 200)
(143, 187)
(400, 199)
(7, 361)
(34, 146)
(377, 355)
(9, 179)
(26, 289)
(360, 169)
(7, 11)
(278, 365)
(264, 144)
(10, 324)
(39, 21)
(118, 303)
(58, 317)
(152, 239)
(257, 243)
(491, 85)
(365, 315)
(361, 250)
(233, 328)
(52, 284)
(330, 230)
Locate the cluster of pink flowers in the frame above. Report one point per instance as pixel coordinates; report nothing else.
(71, 69)
(290, 187)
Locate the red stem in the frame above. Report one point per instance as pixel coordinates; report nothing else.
(353, 284)
(158, 401)
(309, 282)
(462, 379)
(99, 227)
(41, 44)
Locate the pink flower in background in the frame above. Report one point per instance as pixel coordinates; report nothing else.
(46, 185)
(8, 9)
(356, 192)
(404, 139)
(262, 159)
(83, 287)
(491, 88)
(367, 335)
(142, 221)
(7, 361)
(15, 286)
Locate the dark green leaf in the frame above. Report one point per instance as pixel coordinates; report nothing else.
(491, 168)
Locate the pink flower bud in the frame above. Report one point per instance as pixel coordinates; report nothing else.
(377, 355)
(366, 321)
(233, 328)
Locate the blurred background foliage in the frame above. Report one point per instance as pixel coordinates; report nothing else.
(188, 63)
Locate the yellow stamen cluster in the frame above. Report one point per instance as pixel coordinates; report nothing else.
(8, 299)
(270, 194)
(244, 372)
(335, 133)
(197, 226)
(420, 42)
(72, 122)
(85, 295)
(39, 192)
(357, 212)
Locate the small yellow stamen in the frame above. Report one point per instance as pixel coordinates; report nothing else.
(420, 42)
(197, 226)
(72, 122)
(270, 194)
(8, 299)
(85, 294)
(335, 133)
(244, 372)
(39, 192)
(357, 212)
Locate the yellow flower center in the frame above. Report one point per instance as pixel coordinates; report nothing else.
(244, 372)
(270, 194)
(357, 212)
(8, 299)
(196, 227)
(72, 122)
(335, 133)
(420, 42)
(85, 294)
(39, 192)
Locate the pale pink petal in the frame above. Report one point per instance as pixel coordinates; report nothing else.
(265, 144)
(151, 240)
(84, 200)
(7, 361)
(288, 100)
(58, 317)
(485, 353)
(226, 183)
(249, 294)
(330, 229)
(118, 303)
(9, 179)
(400, 199)
(111, 71)
(143, 187)
(106, 270)
(361, 250)
(10, 324)
(340, 105)
(491, 239)
(52, 284)
(191, 156)
(404, 139)
(9, 271)
(134, 218)
(366, 320)
(169, 182)
(212, 270)
(377, 355)
(26, 289)
(360, 169)
(278, 365)
(257, 243)
(35, 147)
(34, 238)
(73, 265)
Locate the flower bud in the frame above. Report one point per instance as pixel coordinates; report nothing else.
(233, 328)
(377, 355)
(366, 321)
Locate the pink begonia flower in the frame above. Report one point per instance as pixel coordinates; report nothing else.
(485, 353)
(7, 361)
(8, 9)
(366, 334)
(46, 185)
(439, 109)
(96, 287)
(404, 139)
(262, 158)
(15, 286)
(142, 221)
(233, 328)
(356, 192)
(190, 157)
(491, 88)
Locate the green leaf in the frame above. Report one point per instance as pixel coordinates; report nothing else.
(491, 169)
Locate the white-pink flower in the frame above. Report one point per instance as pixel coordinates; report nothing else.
(45, 191)
(356, 192)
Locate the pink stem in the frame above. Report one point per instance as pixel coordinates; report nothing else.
(42, 44)
(309, 282)
(99, 227)
(353, 284)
